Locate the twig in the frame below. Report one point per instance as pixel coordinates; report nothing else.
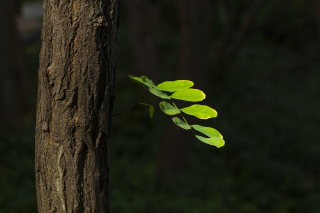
(183, 118)
(131, 106)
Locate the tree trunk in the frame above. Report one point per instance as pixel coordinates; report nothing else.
(75, 103)
(143, 19)
(195, 22)
(13, 80)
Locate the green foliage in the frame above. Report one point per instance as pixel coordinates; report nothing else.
(143, 80)
(218, 142)
(159, 93)
(193, 95)
(172, 86)
(147, 82)
(200, 111)
(137, 81)
(210, 132)
(151, 109)
(180, 123)
(182, 91)
(168, 108)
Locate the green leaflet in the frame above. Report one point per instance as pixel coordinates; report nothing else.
(200, 111)
(193, 95)
(143, 80)
(208, 131)
(158, 93)
(151, 111)
(168, 108)
(181, 123)
(215, 141)
(182, 91)
(147, 81)
(137, 80)
(144, 104)
(172, 86)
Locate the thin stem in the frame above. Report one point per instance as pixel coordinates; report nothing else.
(188, 124)
(174, 104)
(129, 107)
(183, 118)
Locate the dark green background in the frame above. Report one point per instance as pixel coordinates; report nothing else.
(267, 99)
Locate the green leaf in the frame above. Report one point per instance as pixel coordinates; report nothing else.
(208, 131)
(147, 81)
(172, 86)
(151, 111)
(215, 141)
(137, 80)
(168, 108)
(200, 111)
(159, 93)
(181, 123)
(193, 95)
(143, 80)
(144, 104)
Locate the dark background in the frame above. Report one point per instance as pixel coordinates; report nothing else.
(256, 60)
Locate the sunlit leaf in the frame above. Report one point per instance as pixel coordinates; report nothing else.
(215, 141)
(181, 123)
(143, 80)
(168, 108)
(193, 95)
(147, 81)
(172, 86)
(159, 93)
(151, 111)
(200, 111)
(137, 80)
(208, 131)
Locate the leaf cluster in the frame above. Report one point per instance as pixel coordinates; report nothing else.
(181, 90)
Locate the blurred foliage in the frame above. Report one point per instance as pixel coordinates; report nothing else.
(26, 2)
(17, 172)
(267, 99)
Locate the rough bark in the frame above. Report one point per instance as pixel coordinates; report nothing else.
(74, 108)
(13, 76)
(195, 22)
(143, 17)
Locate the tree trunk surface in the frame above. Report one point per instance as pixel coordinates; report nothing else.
(75, 103)
(195, 22)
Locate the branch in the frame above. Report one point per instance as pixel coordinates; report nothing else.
(131, 106)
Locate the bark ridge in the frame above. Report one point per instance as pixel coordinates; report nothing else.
(74, 108)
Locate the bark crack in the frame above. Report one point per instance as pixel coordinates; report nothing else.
(59, 180)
